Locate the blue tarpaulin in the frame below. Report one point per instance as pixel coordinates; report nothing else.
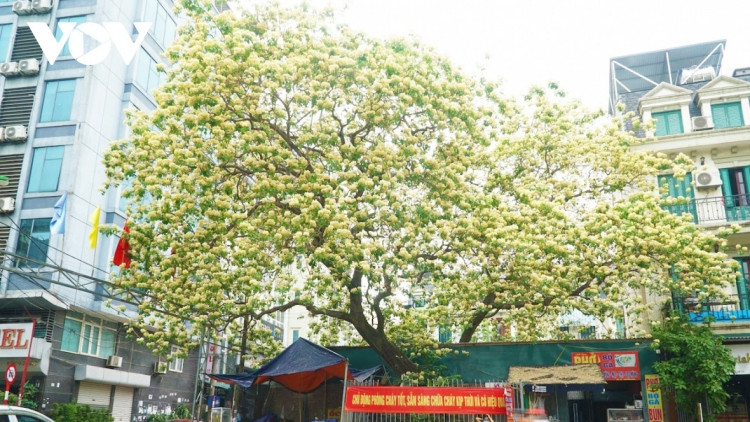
(301, 367)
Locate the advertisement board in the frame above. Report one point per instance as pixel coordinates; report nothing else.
(616, 366)
(453, 400)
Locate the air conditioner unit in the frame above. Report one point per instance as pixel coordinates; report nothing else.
(160, 367)
(114, 361)
(15, 133)
(7, 204)
(41, 6)
(10, 69)
(2, 134)
(707, 180)
(702, 123)
(22, 7)
(29, 66)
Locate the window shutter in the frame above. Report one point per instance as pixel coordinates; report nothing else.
(16, 106)
(675, 122)
(25, 46)
(734, 115)
(668, 122)
(742, 286)
(727, 115)
(726, 187)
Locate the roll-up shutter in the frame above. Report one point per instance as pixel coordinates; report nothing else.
(94, 394)
(122, 405)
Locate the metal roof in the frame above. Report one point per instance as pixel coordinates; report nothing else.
(561, 374)
(643, 71)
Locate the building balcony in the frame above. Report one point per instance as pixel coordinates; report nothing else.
(732, 309)
(715, 211)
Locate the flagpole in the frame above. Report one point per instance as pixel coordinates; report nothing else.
(343, 398)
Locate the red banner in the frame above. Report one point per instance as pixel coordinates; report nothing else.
(616, 366)
(455, 400)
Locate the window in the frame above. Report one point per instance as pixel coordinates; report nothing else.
(295, 335)
(444, 334)
(734, 187)
(88, 336)
(668, 122)
(27, 418)
(176, 364)
(727, 115)
(672, 187)
(33, 241)
(146, 75)
(5, 32)
(45, 169)
(163, 27)
(734, 182)
(742, 279)
(58, 32)
(58, 100)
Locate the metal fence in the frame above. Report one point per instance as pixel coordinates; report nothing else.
(719, 209)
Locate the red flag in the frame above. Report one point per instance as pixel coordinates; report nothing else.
(122, 256)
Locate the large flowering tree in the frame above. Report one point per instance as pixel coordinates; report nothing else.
(292, 162)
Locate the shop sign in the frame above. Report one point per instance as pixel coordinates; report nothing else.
(15, 339)
(653, 399)
(741, 354)
(453, 400)
(508, 404)
(616, 366)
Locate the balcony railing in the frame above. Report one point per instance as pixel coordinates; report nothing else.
(720, 209)
(734, 308)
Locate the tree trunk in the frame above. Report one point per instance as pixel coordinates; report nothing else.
(389, 353)
(476, 319)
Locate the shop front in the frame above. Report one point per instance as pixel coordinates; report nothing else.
(556, 381)
(739, 386)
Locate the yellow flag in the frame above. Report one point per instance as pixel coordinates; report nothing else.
(94, 235)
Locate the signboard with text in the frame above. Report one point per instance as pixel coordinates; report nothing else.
(616, 366)
(15, 339)
(453, 400)
(741, 354)
(653, 399)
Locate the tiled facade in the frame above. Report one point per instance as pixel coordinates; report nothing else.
(58, 120)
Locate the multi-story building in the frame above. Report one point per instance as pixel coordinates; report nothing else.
(702, 111)
(56, 122)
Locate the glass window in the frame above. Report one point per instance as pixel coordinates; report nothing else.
(58, 32)
(163, 28)
(124, 202)
(33, 241)
(727, 115)
(5, 32)
(58, 100)
(71, 334)
(147, 76)
(176, 363)
(668, 122)
(27, 418)
(87, 336)
(108, 343)
(45, 169)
